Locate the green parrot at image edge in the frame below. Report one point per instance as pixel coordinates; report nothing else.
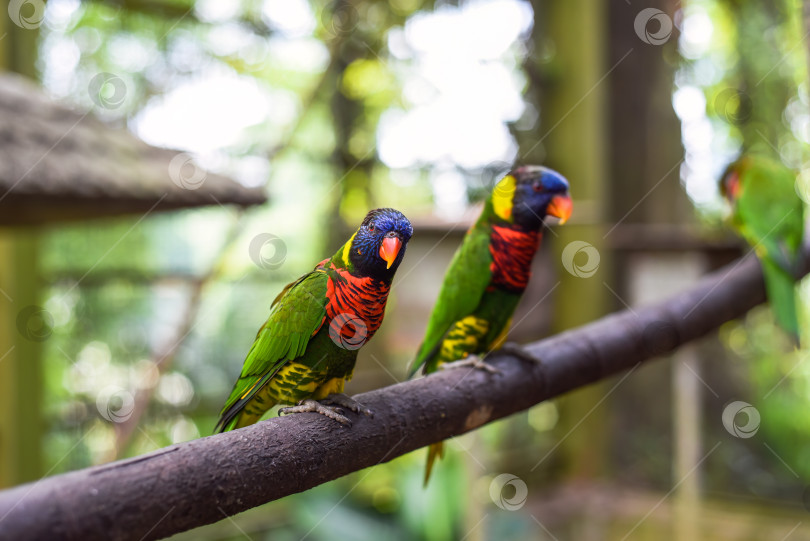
(490, 271)
(768, 213)
(307, 348)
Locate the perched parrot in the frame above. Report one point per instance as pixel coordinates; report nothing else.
(307, 348)
(767, 212)
(490, 271)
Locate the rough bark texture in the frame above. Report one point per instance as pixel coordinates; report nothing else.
(199, 482)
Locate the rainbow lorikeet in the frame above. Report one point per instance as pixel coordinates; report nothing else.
(490, 271)
(307, 348)
(767, 212)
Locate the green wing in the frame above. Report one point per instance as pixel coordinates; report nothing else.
(464, 284)
(770, 215)
(296, 315)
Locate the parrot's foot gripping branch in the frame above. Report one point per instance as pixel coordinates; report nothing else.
(472, 361)
(340, 399)
(308, 405)
(333, 412)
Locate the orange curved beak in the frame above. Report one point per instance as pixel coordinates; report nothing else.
(390, 250)
(560, 207)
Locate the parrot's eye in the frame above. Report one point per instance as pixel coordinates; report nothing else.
(371, 229)
(537, 187)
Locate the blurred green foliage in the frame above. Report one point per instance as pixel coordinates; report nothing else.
(751, 66)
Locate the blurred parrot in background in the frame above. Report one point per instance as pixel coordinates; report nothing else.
(490, 271)
(307, 348)
(767, 212)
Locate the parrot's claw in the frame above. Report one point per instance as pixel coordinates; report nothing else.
(308, 405)
(516, 350)
(472, 361)
(340, 399)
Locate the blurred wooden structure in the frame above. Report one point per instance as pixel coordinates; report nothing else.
(59, 165)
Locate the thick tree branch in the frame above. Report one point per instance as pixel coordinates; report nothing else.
(199, 482)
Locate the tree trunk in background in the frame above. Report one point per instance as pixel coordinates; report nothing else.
(644, 139)
(21, 375)
(604, 92)
(349, 170)
(645, 144)
(573, 103)
(344, 112)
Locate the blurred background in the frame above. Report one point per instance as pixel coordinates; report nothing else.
(167, 166)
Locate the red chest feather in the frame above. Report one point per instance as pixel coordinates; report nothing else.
(356, 306)
(512, 252)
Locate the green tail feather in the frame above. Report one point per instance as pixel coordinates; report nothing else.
(435, 450)
(782, 297)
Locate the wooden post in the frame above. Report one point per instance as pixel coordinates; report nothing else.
(653, 277)
(686, 393)
(21, 381)
(572, 136)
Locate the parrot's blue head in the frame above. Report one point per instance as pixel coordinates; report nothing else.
(530, 193)
(379, 245)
